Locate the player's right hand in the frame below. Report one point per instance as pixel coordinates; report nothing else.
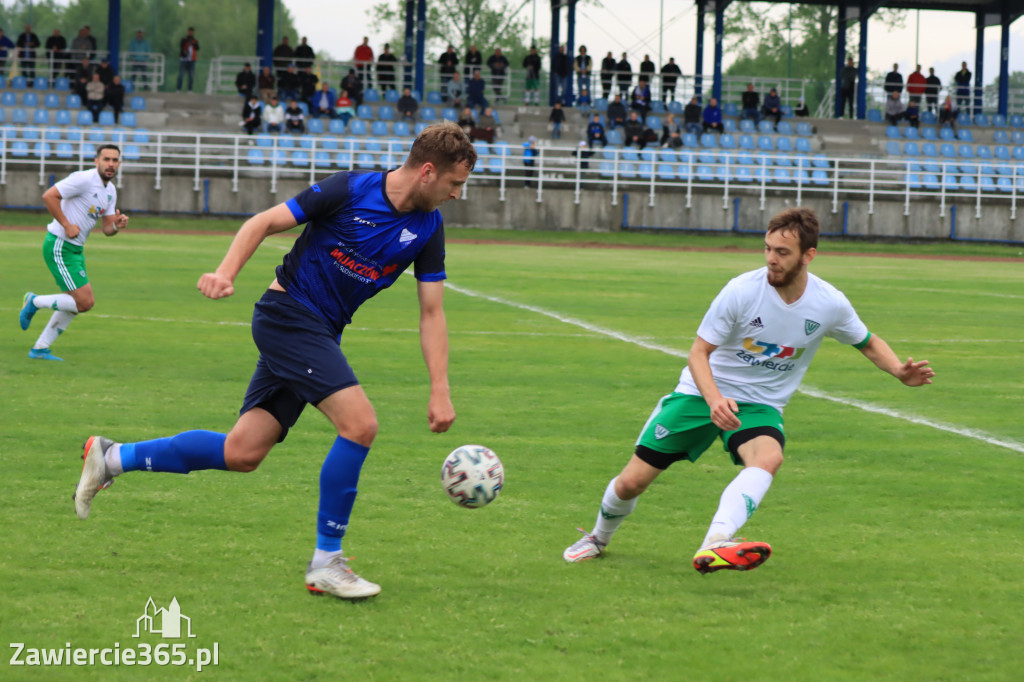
(72, 230)
(215, 286)
(723, 414)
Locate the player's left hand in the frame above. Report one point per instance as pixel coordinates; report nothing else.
(440, 413)
(915, 373)
(120, 220)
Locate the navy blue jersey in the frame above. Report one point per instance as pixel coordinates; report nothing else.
(356, 243)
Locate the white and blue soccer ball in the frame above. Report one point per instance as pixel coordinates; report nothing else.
(472, 475)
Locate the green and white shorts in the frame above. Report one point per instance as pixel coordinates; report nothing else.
(680, 427)
(66, 262)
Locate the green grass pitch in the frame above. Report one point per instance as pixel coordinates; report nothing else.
(897, 529)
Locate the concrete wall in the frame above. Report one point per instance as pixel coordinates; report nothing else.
(483, 207)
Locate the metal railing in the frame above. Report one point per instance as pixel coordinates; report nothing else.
(144, 69)
(660, 174)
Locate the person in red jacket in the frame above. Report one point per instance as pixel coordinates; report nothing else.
(363, 58)
(916, 85)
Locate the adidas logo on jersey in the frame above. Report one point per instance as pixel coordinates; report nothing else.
(756, 322)
(406, 237)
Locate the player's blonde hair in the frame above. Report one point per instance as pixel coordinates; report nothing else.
(801, 220)
(443, 144)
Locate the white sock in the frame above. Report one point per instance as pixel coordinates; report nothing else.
(64, 302)
(112, 457)
(613, 512)
(59, 321)
(739, 501)
(322, 557)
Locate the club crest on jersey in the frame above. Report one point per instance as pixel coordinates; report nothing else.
(660, 431)
(810, 326)
(406, 237)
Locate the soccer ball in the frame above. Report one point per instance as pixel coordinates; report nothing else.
(472, 476)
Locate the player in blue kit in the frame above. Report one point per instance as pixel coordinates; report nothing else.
(362, 231)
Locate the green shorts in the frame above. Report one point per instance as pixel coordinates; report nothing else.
(532, 83)
(66, 262)
(680, 427)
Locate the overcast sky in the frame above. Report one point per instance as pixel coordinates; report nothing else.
(946, 38)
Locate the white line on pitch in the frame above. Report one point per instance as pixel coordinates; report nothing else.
(807, 390)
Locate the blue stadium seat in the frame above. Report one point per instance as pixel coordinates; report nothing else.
(783, 161)
(434, 98)
(364, 111)
(428, 114)
(730, 109)
(128, 119)
(132, 152)
(785, 128)
(336, 127)
(819, 177)
(64, 150)
(419, 127)
(705, 174)
(449, 114)
(371, 95)
(875, 115)
(265, 141)
(911, 149)
(784, 144)
(8, 99)
(52, 134)
(1001, 152)
(106, 118)
(803, 128)
(747, 141)
(140, 136)
(802, 145)
(981, 119)
(727, 141)
(983, 151)
(255, 157)
(676, 108)
(820, 161)
(709, 140)
(41, 117)
(379, 129)
(929, 134)
(653, 122)
(964, 135)
(315, 126)
(97, 135)
(357, 127)
(968, 183)
(391, 95)
(963, 120)
(965, 151)
(51, 100)
(41, 149)
(329, 143)
(306, 142)
(930, 150)
(402, 128)
(73, 101)
(690, 140)
(18, 83)
(911, 133)
(950, 182)
(19, 148)
(764, 143)
(1004, 184)
(657, 106)
(322, 159)
(1001, 136)
(913, 180)
(614, 137)
(729, 125)
(930, 181)
(20, 117)
(286, 142)
(947, 151)
(928, 118)
(786, 110)
(1017, 121)
(30, 100)
(892, 148)
(747, 126)
(385, 113)
(783, 176)
(708, 157)
(62, 84)
(41, 83)
(137, 103)
(1017, 136)
(765, 128)
(299, 158)
(742, 174)
(998, 121)
(968, 168)
(892, 132)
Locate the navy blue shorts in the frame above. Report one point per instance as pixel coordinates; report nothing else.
(300, 360)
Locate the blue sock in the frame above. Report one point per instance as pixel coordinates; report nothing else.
(189, 451)
(338, 479)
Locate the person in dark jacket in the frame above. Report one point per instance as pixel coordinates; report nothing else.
(616, 113)
(245, 81)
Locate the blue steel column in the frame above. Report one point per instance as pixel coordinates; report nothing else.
(556, 28)
(421, 44)
(862, 64)
(410, 42)
(840, 57)
(265, 32)
(1004, 65)
(113, 32)
(716, 89)
(698, 69)
(979, 61)
(570, 49)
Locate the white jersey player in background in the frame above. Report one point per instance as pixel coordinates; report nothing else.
(752, 349)
(75, 203)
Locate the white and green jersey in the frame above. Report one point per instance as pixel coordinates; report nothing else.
(766, 345)
(84, 198)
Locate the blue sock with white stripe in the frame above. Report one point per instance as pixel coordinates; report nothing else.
(188, 451)
(338, 480)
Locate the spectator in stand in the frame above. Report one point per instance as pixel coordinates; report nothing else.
(671, 133)
(83, 76)
(28, 43)
(583, 153)
(467, 121)
(962, 78)
(323, 102)
(407, 106)
(751, 101)
(916, 85)
(245, 81)
(267, 84)
(283, 55)
(584, 102)
(57, 52)
(562, 68)
(640, 100)
(555, 120)
(633, 131)
(894, 81)
(308, 82)
(294, 119)
(894, 108)
(138, 58)
(353, 86)
(449, 62)
(188, 54)
(115, 97)
(343, 107)
(487, 127)
(474, 60)
(452, 91)
(773, 106)
(273, 115)
(363, 57)
(931, 93)
(912, 114)
(583, 65)
(712, 117)
(669, 74)
(95, 96)
(475, 92)
(595, 132)
(532, 64)
(693, 117)
(801, 110)
(288, 86)
(386, 69)
(847, 86)
(529, 154)
(304, 55)
(5, 45)
(648, 69)
(608, 68)
(251, 114)
(948, 113)
(84, 45)
(616, 114)
(498, 64)
(623, 75)
(106, 71)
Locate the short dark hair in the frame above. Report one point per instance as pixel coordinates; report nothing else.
(803, 221)
(108, 146)
(443, 144)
